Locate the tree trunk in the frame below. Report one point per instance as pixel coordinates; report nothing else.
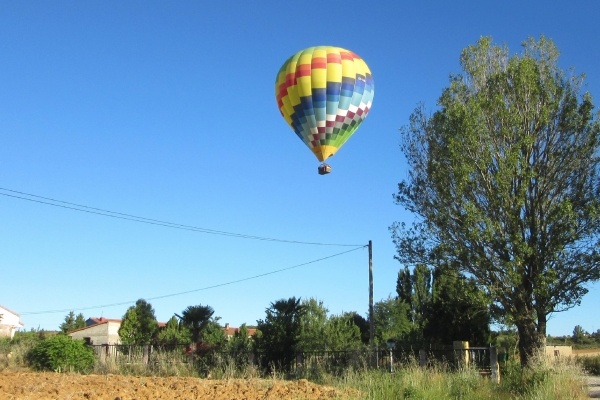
(530, 340)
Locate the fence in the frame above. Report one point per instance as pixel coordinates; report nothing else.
(485, 359)
(144, 354)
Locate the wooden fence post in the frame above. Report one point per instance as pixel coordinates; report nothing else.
(494, 364)
(422, 358)
(145, 354)
(461, 353)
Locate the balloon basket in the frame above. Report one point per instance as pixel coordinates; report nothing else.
(324, 169)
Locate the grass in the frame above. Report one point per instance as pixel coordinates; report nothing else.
(548, 379)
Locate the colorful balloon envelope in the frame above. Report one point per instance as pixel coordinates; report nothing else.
(324, 93)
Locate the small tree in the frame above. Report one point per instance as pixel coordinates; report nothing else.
(213, 333)
(319, 331)
(241, 342)
(391, 319)
(139, 325)
(362, 324)
(342, 333)
(313, 326)
(174, 333)
(580, 336)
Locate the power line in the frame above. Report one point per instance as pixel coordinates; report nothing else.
(193, 290)
(129, 217)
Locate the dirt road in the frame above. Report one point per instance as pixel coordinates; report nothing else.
(594, 386)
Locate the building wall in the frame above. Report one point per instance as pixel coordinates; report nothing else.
(105, 333)
(9, 323)
(559, 351)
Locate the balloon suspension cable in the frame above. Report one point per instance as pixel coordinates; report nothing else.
(324, 169)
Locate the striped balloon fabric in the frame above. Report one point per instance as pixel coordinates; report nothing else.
(324, 93)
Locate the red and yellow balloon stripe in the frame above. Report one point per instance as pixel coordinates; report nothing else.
(324, 93)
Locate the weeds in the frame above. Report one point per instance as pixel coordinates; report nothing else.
(590, 364)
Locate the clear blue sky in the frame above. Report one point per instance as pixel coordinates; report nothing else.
(166, 110)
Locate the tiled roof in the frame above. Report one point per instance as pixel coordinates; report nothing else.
(230, 331)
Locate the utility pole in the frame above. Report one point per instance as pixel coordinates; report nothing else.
(371, 319)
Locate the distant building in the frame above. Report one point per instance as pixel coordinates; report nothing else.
(559, 351)
(231, 332)
(10, 321)
(99, 331)
(102, 330)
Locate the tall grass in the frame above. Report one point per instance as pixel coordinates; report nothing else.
(413, 382)
(545, 380)
(548, 379)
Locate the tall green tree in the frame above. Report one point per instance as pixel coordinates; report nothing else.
(362, 324)
(72, 322)
(391, 319)
(458, 310)
(415, 290)
(321, 332)
(404, 289)
(504, 179)
(313, 326)
(139, 325)
(580, 335)
(444, 306)
(342, 333)
(279, 333)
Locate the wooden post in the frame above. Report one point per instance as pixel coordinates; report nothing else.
(371, 319)
(146, 354)
(422, 358)
(494, 364)
(461, 353)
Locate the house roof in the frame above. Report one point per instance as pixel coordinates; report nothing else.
(10, 311)
(101, 320)
(231, 331)
(98, 321)
(94, 321)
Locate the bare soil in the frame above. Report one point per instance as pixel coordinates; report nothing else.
(34, 386)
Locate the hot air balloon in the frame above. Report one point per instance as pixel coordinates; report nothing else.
(324, 93)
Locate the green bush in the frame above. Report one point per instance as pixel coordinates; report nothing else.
(61, 353)
(591, 365)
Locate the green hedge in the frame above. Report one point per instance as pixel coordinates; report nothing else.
(61, 353)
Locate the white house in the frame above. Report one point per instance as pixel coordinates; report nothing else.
(10, 321)
(99, 331)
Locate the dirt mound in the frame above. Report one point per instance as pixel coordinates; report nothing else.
(32, 385)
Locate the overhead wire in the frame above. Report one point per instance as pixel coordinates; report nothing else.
(129, 217)
(194, 290)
